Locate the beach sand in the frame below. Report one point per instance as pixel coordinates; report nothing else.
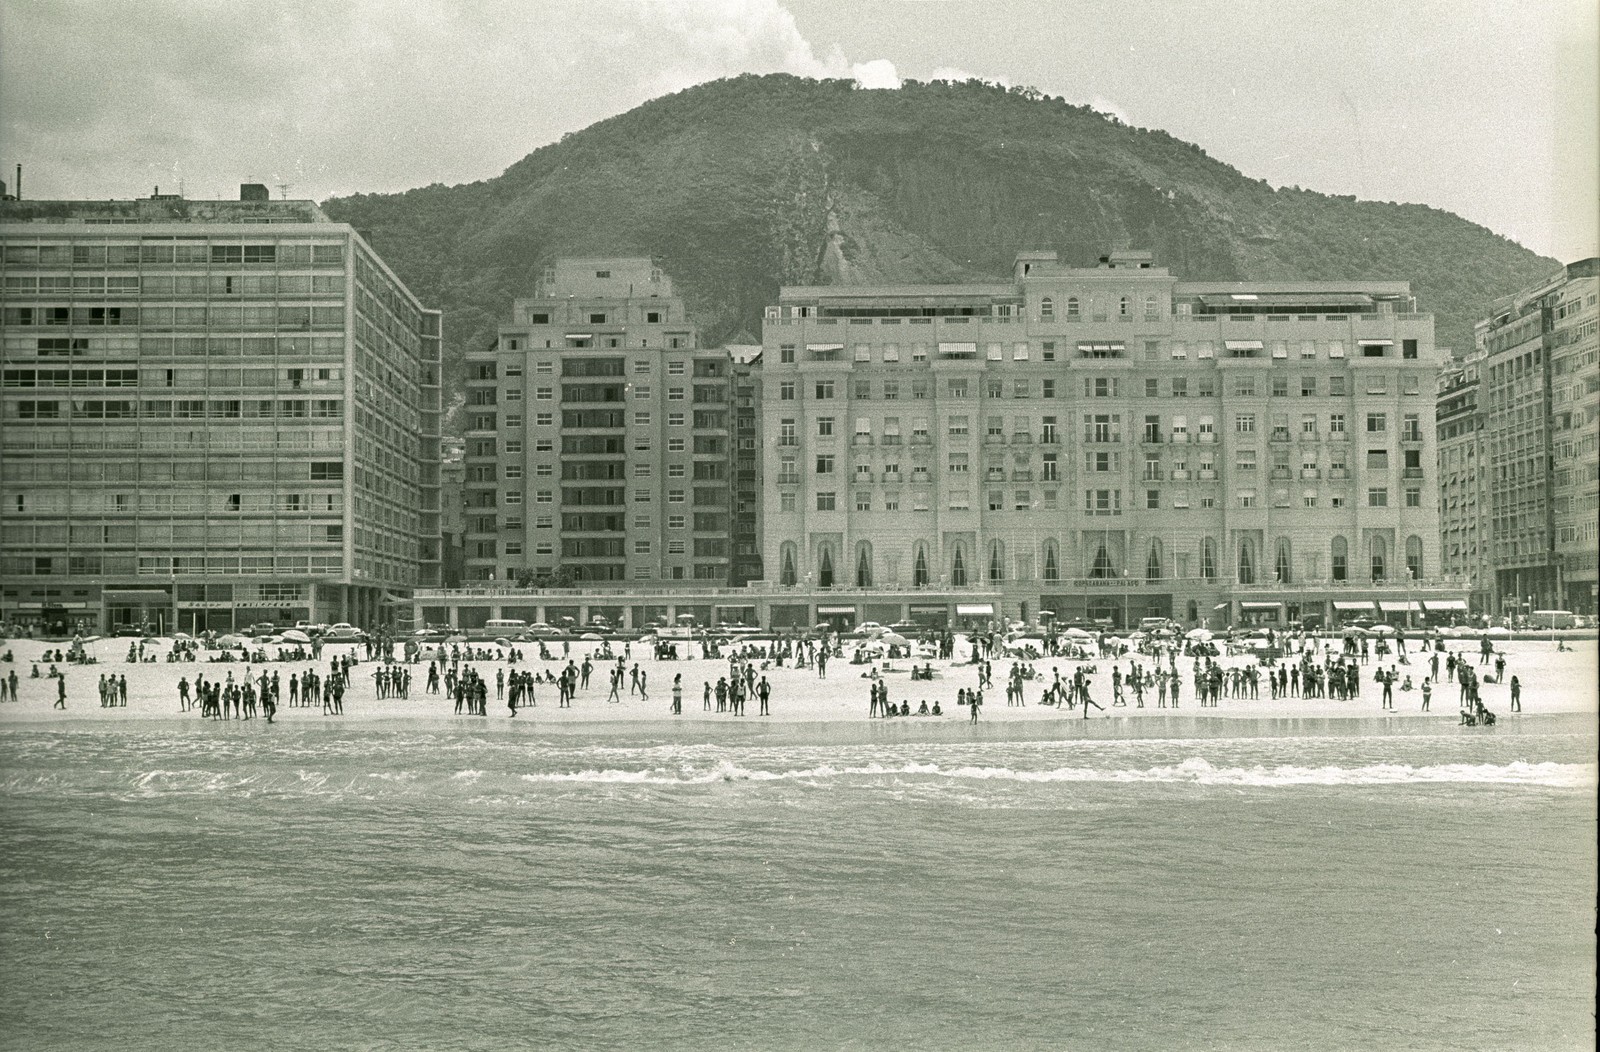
(1552, 682)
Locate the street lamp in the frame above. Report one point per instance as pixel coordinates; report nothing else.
(1126, 585)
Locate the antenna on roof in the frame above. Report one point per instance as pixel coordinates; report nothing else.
(283, 190)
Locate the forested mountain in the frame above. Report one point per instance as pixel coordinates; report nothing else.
(742, 185)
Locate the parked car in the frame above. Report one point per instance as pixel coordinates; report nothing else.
(343, 632)
(261, 628)
(869, 629)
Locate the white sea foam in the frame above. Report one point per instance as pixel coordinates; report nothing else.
(1195, 770)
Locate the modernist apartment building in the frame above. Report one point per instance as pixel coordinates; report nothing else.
(599, 436)
(213, 413)
(1108, 442)
(1539, 394)
(1464, 541)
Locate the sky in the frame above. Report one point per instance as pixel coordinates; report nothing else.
(1486, 108)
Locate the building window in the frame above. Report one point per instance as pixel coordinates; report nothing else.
(826, 501)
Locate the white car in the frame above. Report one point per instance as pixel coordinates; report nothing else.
(343, 632)
(870, 629)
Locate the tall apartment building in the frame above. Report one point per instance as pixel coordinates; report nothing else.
(1106, 441)
(1540, 391)
(746, 365)
(1464, 542)
(213, 413)
(599, 436)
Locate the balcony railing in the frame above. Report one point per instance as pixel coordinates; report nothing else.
(788, 480)
(861, 440)
(1180, 474)
(1310, 473)
(1206, 474)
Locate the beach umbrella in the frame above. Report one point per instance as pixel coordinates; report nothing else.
(593, 637)
(503, 641)
(1199, 635)
(685, 617)
(1381, 630)
(1257, 644)
(296, 636)
(1498, 631)
(231, 641)
(1078, 633)
(182, 635)
(894, 638)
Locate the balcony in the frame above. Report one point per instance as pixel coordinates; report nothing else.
(1411, 473)
(1022, 475)
(1049, 438)
(1206, 474)
(1180, 438)
(920, 476)
(994, 438)
(1281, 474)
(788, 440)
(1279, 435)
(788, 479)
(1206, 437)
(1151, 438)
(921, 440)
(1021, 440)
(861, 440)
(891, 476)
(1310, 473)
(1151, 476)
(1338, 473)
(1180, 475)
(862, 478)
(891, 440)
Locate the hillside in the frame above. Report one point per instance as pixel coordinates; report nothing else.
(740, 186)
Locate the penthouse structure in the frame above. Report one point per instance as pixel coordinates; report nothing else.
(1539, 385)
(213, 413)
(599, 437)
(1106, 442)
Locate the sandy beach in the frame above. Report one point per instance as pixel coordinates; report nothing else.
(1552, 682)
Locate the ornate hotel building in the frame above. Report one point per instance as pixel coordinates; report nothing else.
(600, 438)
(213, 413)
(1105, 442)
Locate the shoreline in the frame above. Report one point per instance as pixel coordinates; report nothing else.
(909, 730)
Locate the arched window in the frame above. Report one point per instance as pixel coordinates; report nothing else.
(1380, 557)
(1208, 559)
(1072, 306)
(825, 567)
(1152, 562)
(958, 568)
(1122, 306)
(1281, 565)
(997, 561)
(1047, 308)
(919, 567)
(1247, 563)
(863, 565)
(1414, 556)
(1151, 304)
(786, 563)
(1339, 559)
(1052, 567)
(1101, 569)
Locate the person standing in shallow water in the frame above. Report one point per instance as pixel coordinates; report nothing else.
(1516, 694)
(677, 694)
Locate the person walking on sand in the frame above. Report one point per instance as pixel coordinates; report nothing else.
(764, 691)
(61, 691)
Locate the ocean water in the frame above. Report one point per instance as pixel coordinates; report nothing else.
(449, 886)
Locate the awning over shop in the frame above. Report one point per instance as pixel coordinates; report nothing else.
(824, 611)
(824, 346)
(1260, 606)
(927, 608)
(1242, 345)
(1352, 604)
(1376, 343)
(136, 595)
(974, 609)
(1445, 604)
(580, 335)
(1399, 606)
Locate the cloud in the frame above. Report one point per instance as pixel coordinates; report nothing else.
(105, 99)
(879, 73)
